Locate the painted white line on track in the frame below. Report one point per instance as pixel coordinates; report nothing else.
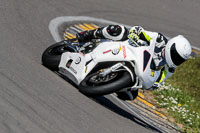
(75, 29)
(196, 48)
(54, 23)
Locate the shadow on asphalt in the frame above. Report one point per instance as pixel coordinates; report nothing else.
(115, 108)
(107, 103)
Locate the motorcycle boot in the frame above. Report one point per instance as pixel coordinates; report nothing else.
(85, 36)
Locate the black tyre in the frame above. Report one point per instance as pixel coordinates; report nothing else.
(92, 86)
(52, 55)
(125, 96)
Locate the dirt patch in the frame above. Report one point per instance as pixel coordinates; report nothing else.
(196, 51)
(151, 98)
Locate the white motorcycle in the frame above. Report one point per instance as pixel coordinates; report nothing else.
(103, 67)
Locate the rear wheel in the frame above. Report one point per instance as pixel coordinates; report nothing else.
(125, 95)
(94, 84)
(52, 55)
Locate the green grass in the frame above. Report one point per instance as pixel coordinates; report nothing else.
(181, 95)
(187, 77)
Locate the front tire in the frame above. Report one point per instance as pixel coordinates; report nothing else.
(87, 87)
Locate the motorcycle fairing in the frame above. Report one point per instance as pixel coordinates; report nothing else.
(106, 52)
(142, 57)
(73, 65)
(146, 58)
(81, 65)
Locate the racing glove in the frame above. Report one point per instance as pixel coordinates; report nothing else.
(139, 31)
(134, 33)
(133, 37)
(136, 29)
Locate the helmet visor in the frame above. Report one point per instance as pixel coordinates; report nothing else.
(176, 58)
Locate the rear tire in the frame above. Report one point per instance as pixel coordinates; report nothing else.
(52, 55)
(119, 82)
(125, 96)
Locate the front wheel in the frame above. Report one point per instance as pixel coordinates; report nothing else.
(94, 84)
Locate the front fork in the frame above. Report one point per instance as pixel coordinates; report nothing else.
(119, 67)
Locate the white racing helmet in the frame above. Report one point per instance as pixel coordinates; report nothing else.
(177, 50)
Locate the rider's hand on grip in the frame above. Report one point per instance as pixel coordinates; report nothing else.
(133, 37)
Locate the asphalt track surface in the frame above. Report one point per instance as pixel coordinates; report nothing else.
(35, 100)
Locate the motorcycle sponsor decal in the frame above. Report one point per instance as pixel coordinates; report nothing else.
(106, 51)
(124, 51)
(85, 69)
(146, 58)
(115, 67)
(78, 60)
(62, 70)
(72, 69)
(116, 51)
(152, 73)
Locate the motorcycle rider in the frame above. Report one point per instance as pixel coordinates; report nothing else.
(168, 54)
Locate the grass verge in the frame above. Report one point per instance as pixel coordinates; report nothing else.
(180, 95)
